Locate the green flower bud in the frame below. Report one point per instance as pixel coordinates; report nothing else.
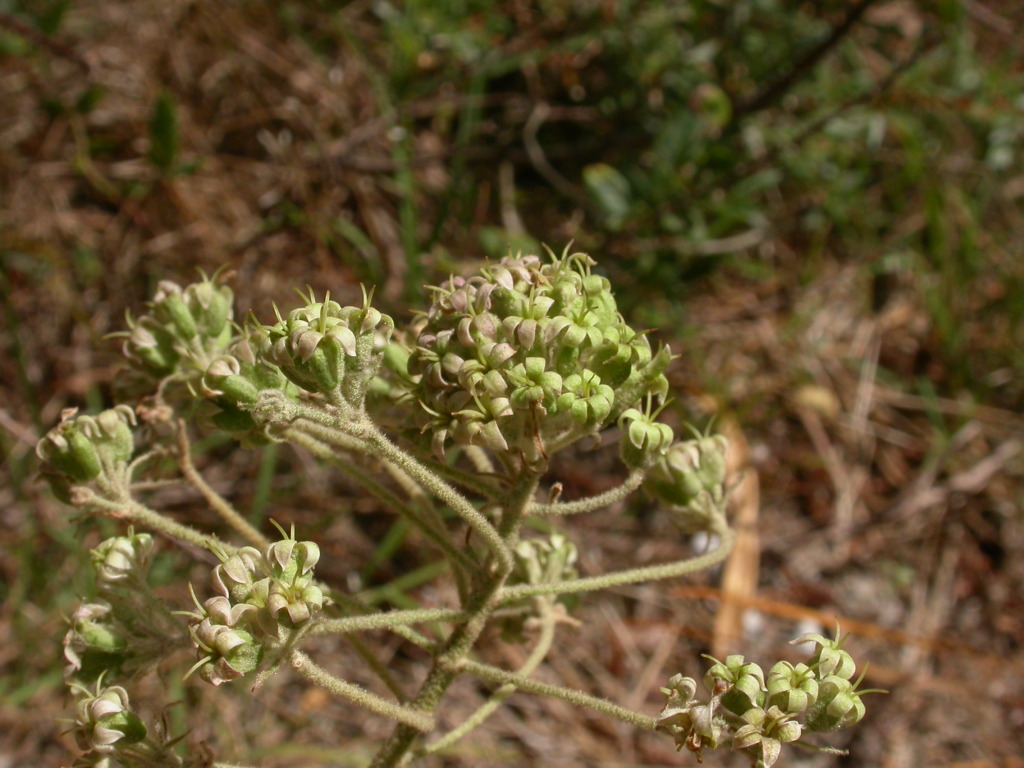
(838, 704)
(740, 683)
(764, 734)
(645, 437)
(169, 308)
(123, 558)
(689, 468)
(226, 653)
(93, 643)
(791, 689)
(80, 448)
(224, 378)
(151, 347)
(236, 575)
(829, 658)
(324, 347)
(70, 452)
(104, 720)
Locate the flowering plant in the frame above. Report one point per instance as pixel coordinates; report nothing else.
(462, 412)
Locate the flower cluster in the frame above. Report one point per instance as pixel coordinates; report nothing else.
(125, 628)
(327, 348)
(690, 478)
(259, 596)
(86, 449)
(547, 560)
(756, 714)
(184, 330)
(527, 357)
(104, 720)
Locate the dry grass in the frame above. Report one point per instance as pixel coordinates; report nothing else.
(863, 500)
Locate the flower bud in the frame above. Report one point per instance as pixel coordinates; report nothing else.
(791, 689)
(838, 704)
(645, 438)
(104, 720)
(80, 448)
(93, 643)
(236, 575)
(829, 658)
(324, 347)
(226, 652)
(122, 558)
(743, 682)
(688, 468)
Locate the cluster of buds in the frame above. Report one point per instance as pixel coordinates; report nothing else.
(112, 734)
(528, 356)
(234, 381)
(754, 714)
(327, 348)
(184, 330)
(537, 561)
(125, 629)
(690, 478)
(260, 597)
(104, 721)
(82, 450)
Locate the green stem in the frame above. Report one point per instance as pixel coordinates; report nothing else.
(134, 512)
(387, 620)
(371, 440)
(479, 606)
(592, 503)
(409, 717)
(579, 698)
(439, 537)
(217, 503)
(631, 576)
(537, 655)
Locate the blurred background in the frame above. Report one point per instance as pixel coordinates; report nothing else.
(819, 205)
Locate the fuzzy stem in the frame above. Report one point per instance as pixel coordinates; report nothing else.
(411, 718)
(388, 451)
(479, 606)
(579, 698)
(133, 512)
(537, 655)
(439, 537)
(387, 620)
(592, 503)
(631, 576)
(218, 503)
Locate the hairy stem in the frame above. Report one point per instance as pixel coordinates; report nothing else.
(592, 503)
(436, 535)
(537, 655)
(479, 606)
(386, 620)
(631, 576)
(411, 718)
(579, 698)
(217, 503)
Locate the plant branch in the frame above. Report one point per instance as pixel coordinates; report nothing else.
(579, 698)
(316, 674)
(592, 503)
(387, 620)
(218, 503)
(388, 451)
(537, 655)
(631, 576)
(390, 499)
